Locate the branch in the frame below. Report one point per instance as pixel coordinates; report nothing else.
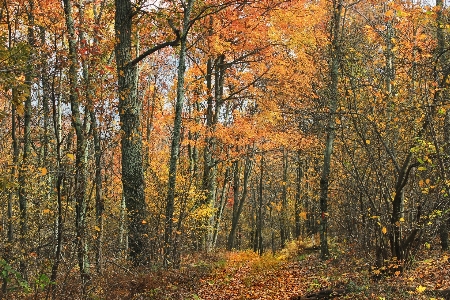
(173, 43)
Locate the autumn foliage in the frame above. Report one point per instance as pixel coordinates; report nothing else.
(140, 140)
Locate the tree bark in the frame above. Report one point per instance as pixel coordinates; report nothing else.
(284, 230)
(219, 214)
(56, 114)
(23, 198)
(443, 228)
(259, 217)
(81, 129)
(176, 137)
(131, 139)
(210, 165)
(239, 200)
(332, 106)
(298, 198)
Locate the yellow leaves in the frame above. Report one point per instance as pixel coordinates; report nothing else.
(389, 13)
(96, 228)
(43, 171)
(20, 109)
(144, 222)
(46, 211)
(420, 289)
(70, 156)
(368, 142)
(384, 230)
(422, 36)
(303, 215)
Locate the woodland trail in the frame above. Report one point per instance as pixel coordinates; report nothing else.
(248, 276)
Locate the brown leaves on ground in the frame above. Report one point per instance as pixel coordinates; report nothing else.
(248, 276)
(291, 274)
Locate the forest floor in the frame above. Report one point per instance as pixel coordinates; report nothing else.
(290, 274)
(293, 273)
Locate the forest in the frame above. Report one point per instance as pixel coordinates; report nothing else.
(224, 149)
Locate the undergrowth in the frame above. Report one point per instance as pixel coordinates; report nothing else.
(292, 272)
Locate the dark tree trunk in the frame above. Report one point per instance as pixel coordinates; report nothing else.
(332, 105)
(176, 137)
(238, 203)
(284, 228)
(443, 229)
(223, 195)
(259, 216)
(56, 113)
(80, 127)
(298, 186)
(23, 198)
(131, 139)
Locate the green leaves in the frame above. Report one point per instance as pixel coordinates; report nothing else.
(9, 274)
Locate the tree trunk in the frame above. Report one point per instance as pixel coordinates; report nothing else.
(212, 113)
(23, 170)
(80, 127)
(332, 105)
(175, 147)
(99, 202)
(443, 229)
(298, 198)
(259, 218)
(221, 207)
(284, 228)
(131, 139)
(56, 113)
(238, 203)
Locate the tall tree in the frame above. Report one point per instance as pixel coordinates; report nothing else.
(176, 135)
(130, 118)
(441, 54)
(81, 125)
(333, 100)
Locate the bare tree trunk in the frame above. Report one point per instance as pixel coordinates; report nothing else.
(298, 187)
(259, 215)
(212, 113)
(23, 170)
(221, 206)
(56, 113)
(98, 180)
(131, 140)
(99, 202)
(332, 105)
(176, 137)
(284, 228)
(443, 228)
(239, 200)
(81, 129)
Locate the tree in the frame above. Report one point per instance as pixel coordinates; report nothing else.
(333, 101)
(130, 118)
(175, 145)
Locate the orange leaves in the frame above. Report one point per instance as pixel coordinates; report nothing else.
(43, 171)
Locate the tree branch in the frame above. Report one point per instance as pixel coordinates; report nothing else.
(158, 47)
